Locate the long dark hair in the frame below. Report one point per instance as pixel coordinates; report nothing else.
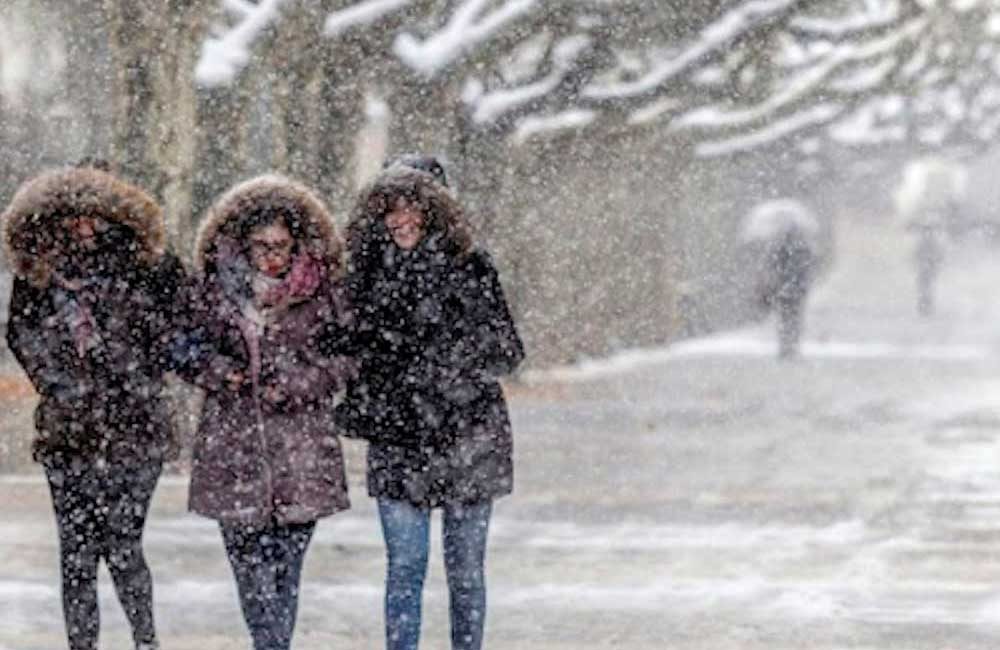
(255, 215)
(262, 216)
(445, 224)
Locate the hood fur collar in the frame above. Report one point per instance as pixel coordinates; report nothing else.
(445, 218)
(36, 209)
(279, 192)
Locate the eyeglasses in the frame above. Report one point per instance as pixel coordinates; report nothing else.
(260, 247)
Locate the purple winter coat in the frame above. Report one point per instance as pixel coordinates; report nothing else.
(255, 460)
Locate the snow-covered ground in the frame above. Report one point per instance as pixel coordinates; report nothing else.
(699, 496)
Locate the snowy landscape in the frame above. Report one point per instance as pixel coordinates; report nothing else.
(694, 467)
(701, 495)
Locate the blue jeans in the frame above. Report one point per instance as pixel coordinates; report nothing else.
(267, 563)
(406, 529)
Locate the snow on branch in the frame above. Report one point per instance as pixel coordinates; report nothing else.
(239, 8)
(466, 29)
(877, 122)
(803, 83)
(489, 106)
(224, 56)
(564, 121)
(723, 31)
(867, 78)
(655, 110)
(716, 116)
(875, 15)
(360, 14)
(917, 63)
(773, 132)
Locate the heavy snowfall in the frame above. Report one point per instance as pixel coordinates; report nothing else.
(681, 315)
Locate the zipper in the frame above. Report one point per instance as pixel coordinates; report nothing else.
(247, 329)
(258, 407)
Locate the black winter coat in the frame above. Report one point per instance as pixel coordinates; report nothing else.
(433, 335)
(109, 402)
(92, 331)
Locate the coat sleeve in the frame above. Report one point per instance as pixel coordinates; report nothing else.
(489, 341)
(194, 344)
(26, 338)
(343, 334)
(478, 341)
(312, 379)
(170, 309)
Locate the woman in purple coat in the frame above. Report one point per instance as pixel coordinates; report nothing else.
(267, 462)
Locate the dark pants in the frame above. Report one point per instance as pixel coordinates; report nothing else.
(789, 325)
(100, 514)
(925, 290)
(406, 529)
(267, 563)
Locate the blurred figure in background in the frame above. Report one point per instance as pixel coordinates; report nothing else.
(792, 261)
(781, 235)
(928, 256)
(932, 201)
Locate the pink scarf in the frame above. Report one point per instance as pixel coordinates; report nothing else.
(300, 283)
(78, 317)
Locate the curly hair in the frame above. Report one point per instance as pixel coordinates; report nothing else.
(263, 201)
(444, 219)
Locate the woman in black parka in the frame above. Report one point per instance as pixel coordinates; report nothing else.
(94, 305)
(433, 334)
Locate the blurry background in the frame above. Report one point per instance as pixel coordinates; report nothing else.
(607, 148)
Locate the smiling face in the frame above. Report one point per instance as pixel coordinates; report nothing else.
(271, 249)
(405, 223)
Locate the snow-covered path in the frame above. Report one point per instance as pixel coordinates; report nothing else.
(703, 496)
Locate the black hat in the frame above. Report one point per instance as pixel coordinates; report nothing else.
(420, 162)
(94, 162)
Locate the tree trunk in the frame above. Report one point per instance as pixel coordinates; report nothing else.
(85, 29)
(342, 97)
(222, 138)
(424, 115)
(296, 112)
(154, 47)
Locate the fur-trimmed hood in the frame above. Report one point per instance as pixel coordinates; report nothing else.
(31, 218)
(278, 193)
(446, 220)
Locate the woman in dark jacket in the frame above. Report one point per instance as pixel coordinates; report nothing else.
(91, 316)
(267, 462)
(433, 333)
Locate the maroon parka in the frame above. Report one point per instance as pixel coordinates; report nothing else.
(255, 460)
